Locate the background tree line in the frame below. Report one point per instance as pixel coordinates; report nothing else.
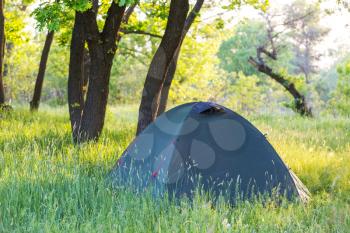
(156, 53)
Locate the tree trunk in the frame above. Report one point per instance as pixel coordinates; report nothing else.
(160, 63)
(172, 67)
(167, 84)
(102, 47)
(96, 100)
(87, 117)
(300, 103)
(34, 104)
(87, 64)
(8, 50)
(76, 75)
(2, 51)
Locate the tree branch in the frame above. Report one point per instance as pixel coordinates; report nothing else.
(263, 68)
(140, 32)
(310, 13)
(192, 15)
(114, 18)
(129, 12)
(131, 52)
(91, 27)
(261, 49)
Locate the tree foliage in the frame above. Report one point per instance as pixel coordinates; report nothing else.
(235, 52)
(341, 95)
(213, 57)
(305, 34)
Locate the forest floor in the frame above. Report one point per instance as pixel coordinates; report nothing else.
(49, 185)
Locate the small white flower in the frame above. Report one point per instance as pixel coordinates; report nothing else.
(226, 224)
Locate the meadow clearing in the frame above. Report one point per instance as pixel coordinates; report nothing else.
(49, 185)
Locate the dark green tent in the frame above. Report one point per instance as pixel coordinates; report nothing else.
(207, 146)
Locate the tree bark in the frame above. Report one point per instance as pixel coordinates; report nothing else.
(86, 69)
(172, 67)
(2, 51)
(87, 116)
(163, 101)
(160, 63)
(299, 100)
(34, 104)
(76, 75)
(102, 47)
(7, 50)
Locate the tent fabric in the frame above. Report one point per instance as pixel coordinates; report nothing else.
(207, 146)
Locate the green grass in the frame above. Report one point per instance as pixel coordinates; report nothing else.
(49, 185)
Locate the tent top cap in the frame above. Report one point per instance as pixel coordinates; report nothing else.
(207, 108)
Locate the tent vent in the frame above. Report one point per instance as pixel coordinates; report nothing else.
(207, 108)
(212, 110)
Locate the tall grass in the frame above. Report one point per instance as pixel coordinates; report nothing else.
(49, 185)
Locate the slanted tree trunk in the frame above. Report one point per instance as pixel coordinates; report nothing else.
(167, 84)
(34, 104)
(160, 63)
(299, 100)
(76, 75)
(300, 104)
(172, 67)
(2, 51)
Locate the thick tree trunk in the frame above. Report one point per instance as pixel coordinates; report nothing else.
(102, 47)
(172, 67)
(96, 100)
(300, 103)
(160, 63)
(87, 116)
(34, 104)
(2, 51)
(76, 75)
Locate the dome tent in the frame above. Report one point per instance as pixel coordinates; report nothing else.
(208, 146)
